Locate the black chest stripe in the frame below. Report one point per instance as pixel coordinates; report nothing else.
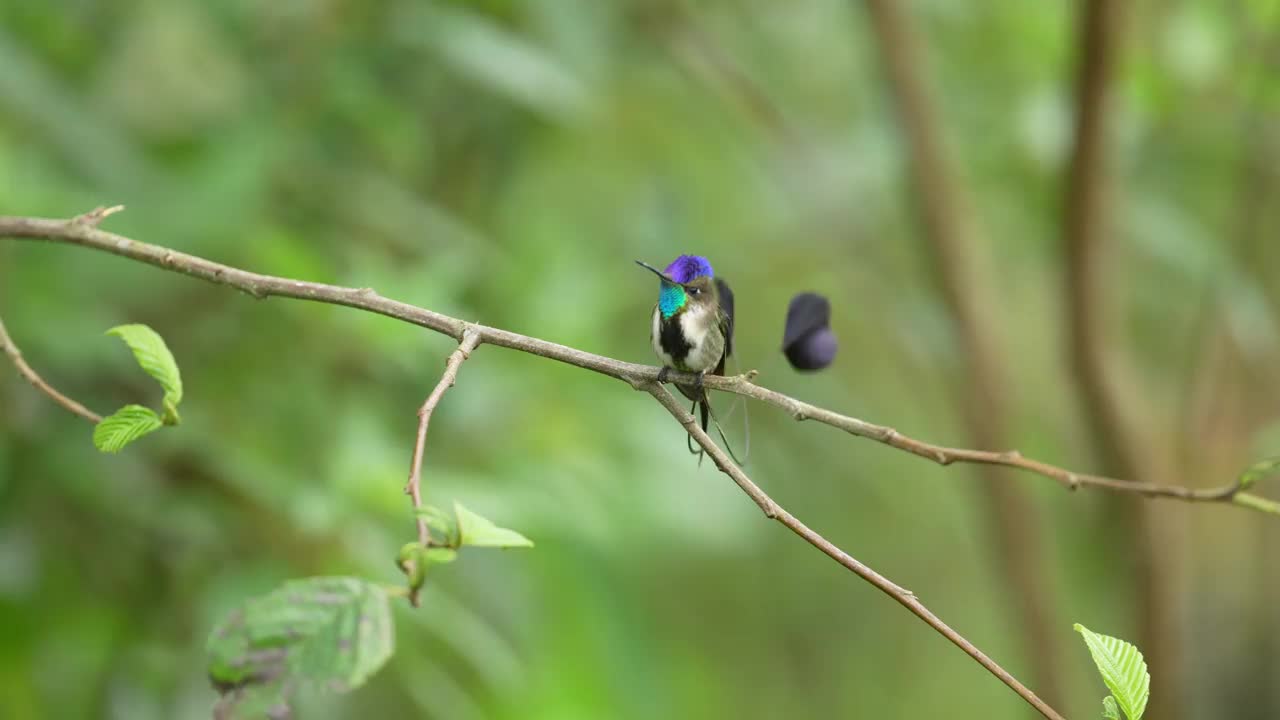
(673, 340)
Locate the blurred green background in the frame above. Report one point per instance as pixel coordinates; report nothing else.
(504, 161)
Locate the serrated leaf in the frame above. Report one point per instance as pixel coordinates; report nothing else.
(327, 634)
(1109, 709)
(1122, 669)
(124, 426)
(1259, 471)
(154, 357)
(478, 531)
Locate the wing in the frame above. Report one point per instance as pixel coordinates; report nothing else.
(726, 321)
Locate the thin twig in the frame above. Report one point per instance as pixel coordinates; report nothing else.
(11, 349)
(773, 510)
(634, 374)
(413, 489)
(742, 385)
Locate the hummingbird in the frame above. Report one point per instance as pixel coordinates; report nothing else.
(692, 328)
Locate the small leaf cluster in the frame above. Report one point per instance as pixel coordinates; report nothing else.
(464, 528)
(131, 422)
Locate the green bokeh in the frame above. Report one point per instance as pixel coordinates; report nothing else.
(504, 162)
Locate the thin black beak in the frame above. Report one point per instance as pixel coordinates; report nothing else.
(665, 277)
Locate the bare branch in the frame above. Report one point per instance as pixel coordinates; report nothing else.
(773, 510)
(413, 489)
(634, 374)
(942, 455)
(25, 370)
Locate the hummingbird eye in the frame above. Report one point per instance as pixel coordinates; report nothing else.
(695, 291)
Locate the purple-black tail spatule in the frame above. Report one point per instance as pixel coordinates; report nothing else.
(807, 340)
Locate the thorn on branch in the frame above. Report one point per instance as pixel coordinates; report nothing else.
(95, 216)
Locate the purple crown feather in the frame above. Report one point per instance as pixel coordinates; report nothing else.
(687, 267)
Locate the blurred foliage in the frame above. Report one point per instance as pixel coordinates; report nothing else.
(505, 161)
(316, 635)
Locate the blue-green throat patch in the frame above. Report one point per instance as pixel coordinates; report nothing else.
(671, 299)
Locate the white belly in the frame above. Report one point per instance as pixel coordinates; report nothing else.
(703, 353)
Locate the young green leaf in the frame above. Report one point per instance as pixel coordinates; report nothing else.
(154, 357)
(439, 521)
(414, 560)
(1109, 709)
(478, 531)
(410, 561)
(322, 634)
(439, 556)
(1122, 669)
(1259, 471)
(123, 427)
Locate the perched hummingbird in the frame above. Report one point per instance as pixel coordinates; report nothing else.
(692, 326)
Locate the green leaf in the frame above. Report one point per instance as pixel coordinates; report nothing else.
(414, 560)
(123, 427)
(154, 357)
(1109, 709)
(410, 561)
(253, 702)
(439, 556)
(1259, 471)
(439, 521)
(1122, 669)
(478, 531)
(319, 634)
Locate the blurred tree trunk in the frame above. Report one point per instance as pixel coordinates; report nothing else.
(1232, 395)
(1149, 530)
(958, 263)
